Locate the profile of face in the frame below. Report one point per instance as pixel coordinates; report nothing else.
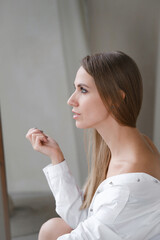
(88, 108)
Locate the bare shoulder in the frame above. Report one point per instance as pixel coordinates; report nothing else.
(151, 159)
(150, 143)
(146, 159)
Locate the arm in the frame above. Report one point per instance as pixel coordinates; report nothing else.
(105, 209)
(68, 196)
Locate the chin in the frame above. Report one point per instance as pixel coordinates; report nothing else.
(80, 126)
(83, 126)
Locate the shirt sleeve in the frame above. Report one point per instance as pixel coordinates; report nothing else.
(68, 196)
(105, 209)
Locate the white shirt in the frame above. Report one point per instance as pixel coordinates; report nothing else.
(126, 206)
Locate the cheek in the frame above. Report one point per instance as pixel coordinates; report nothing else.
(99, 113)
(94, 112)
(97, 109)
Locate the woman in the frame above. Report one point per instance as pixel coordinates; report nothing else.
(122, 194)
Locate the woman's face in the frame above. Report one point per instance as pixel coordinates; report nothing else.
(88, 108)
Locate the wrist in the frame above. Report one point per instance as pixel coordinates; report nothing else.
(57, 158)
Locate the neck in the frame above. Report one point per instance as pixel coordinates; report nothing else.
(120, 139)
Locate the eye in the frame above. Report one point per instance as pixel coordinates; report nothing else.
(83, 90)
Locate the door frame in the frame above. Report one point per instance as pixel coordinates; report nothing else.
(5, 229)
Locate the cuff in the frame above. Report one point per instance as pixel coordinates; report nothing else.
(55, 170)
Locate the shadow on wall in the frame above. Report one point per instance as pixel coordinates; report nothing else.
(132, 27)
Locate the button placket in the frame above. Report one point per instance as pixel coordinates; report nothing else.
(91, 207)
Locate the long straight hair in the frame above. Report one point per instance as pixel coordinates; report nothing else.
(119, 85)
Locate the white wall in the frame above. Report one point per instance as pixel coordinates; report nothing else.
(132, 27)
(34, 90)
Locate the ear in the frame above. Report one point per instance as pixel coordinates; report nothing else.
(123, 95)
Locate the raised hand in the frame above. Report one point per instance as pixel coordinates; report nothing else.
(45, 145)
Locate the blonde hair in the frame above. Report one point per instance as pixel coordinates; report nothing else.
(115, 75)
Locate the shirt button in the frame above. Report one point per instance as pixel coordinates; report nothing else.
(156, 181)
(98, 191)
(138, 180)
(91, 209)
(111, 183)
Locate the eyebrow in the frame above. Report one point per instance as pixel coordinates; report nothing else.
(80, 85)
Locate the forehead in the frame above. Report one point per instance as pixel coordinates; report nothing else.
(83, 76)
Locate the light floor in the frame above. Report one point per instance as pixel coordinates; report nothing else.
(29, 212)
(29, 237)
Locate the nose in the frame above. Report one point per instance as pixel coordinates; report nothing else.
(72, 101)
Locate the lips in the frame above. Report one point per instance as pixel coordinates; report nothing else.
(76, 115)
(76, 112)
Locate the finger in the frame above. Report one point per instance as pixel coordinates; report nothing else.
(38, 140)
(30, 131)
(32, 136)
(33, 131)
(40, 136)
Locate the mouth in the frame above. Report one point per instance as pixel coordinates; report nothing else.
(76, 115)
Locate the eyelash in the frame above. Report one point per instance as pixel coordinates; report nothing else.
(83, 90)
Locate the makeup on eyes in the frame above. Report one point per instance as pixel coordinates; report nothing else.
(83, 90)
(81, 87)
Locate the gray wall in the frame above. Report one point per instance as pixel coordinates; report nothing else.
(35, 84)
(157, 99)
